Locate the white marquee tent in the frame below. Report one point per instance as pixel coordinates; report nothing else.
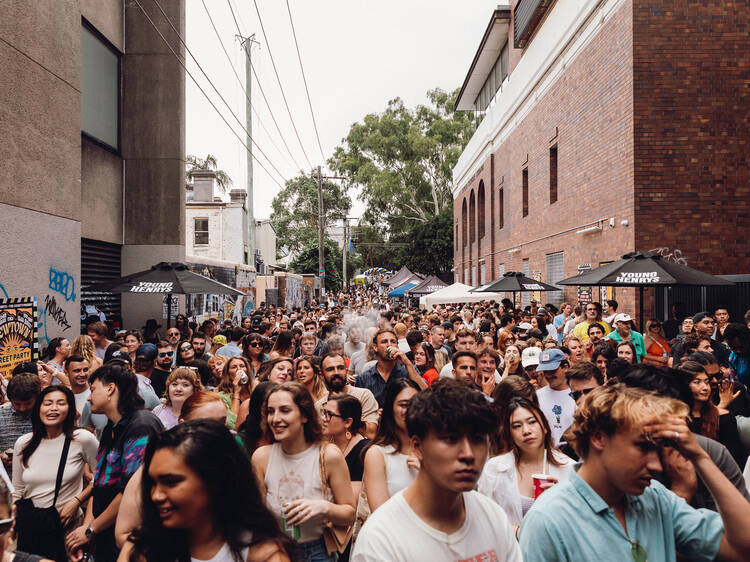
(458, 292)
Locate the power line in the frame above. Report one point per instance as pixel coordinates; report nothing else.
(176, 56)
(244, 90)
(304, 79)
(255, 144)
(260, 86)
(276, 72)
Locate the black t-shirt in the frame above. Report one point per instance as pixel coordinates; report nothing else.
(159, 381)
(355, 462)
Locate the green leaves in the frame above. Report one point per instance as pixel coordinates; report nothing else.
(295, 211)
(194, 163)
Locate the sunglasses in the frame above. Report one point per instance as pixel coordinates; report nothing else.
(186, 348)
(576, 394)
(166, 353)
(656, 325)
(327, 414)
(5, 525)
(254, 344)
(172, 334)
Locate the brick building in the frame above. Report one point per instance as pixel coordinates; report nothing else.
(606, 126)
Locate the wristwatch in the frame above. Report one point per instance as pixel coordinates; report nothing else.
(90, 532)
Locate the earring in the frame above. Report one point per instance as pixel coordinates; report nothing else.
(348, 434)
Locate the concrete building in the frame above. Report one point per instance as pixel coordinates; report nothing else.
(92, 133)
(215, 228)
(607, 126)
(265, 243)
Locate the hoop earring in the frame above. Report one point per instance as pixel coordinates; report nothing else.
(348, 434)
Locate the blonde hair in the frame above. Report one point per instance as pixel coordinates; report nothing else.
(400, 330)
(83, 345)
(611, 408)
(185, 373)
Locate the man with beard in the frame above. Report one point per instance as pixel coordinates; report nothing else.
(199, 345)
(333, 367)
(77, 369)
(164, 358)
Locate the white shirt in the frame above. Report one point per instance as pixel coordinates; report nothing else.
(81, 399)
(558, 407)
(395, 533)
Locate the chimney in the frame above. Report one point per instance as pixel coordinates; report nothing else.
(238, 196)
(203, 185)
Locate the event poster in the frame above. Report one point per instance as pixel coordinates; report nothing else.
(18, 333)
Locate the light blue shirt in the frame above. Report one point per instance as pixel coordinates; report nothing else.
(572, 522)
(635, 338)
(230, 350)
(557, 322)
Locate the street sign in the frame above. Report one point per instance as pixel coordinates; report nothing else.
(322, 273)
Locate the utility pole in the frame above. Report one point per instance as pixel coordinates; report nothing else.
(321, 255)
(346, 251)
(247, 43)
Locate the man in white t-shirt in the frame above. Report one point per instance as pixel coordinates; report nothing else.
(440, 516)
(554, 399)
(77, 369)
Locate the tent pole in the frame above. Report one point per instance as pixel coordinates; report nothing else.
(640, 318)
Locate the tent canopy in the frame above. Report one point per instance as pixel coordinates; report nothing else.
(401, 276)
(400, 291)
(458, 292)
(514, 281)
(429, 285)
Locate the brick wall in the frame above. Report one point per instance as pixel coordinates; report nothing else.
(588, 114)
(691, 130)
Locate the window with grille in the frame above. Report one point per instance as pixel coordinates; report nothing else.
(553, 174)
(555, 273)
(201, 231)
(482, 274)
(501, 209)
(526, 296)
(525, 194)
(481, 207)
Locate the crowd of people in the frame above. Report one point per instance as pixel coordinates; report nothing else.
(362, 429)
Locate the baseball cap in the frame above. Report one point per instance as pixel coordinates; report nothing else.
(621, 317)
(700, 316)
(550, 359)
(220, 340)
(541, 311)
(530, 356)
(121, 356)
(525, 326)
(146, 352)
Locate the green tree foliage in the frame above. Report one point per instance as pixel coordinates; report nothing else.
(194, 163)
(402, 160)
(430, 249)
(307, 262)
(295, 212)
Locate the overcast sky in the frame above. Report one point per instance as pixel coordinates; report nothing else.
(356, 55)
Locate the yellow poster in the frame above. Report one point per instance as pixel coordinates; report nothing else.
(18, 333)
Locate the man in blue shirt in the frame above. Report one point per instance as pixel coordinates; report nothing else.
(560, 320)
(611, 509)
(392, 363)
(738, 338)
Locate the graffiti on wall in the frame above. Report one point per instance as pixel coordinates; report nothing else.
(2, 289)
(63, 283)
(55, 311)
(671, 255)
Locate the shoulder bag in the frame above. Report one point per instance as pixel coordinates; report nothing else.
(336, 537)
(39, 528)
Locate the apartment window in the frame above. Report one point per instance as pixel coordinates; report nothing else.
(482, 274)
(472, 217)
(525, 192)
(473, 275)
(481, 206)
(555, 273)
(100, 88)
(463, 223)
(466, 275)
(501, 210)
(201, 231)
(553, 174)
(501, 269)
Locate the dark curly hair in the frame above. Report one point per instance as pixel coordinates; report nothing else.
(126, 382)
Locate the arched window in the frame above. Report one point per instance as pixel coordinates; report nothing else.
(472, 217)
(463, 223)
(480, 205)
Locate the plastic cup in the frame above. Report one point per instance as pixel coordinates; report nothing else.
(540, 479)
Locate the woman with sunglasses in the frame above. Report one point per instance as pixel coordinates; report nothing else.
(657, 348)
(181, 384)
(36, 461)
(252, 350)
(185, 353)
(305, 482)
(509, 478)
(390, 465)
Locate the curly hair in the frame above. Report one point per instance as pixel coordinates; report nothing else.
(184, 373)
(611, 408)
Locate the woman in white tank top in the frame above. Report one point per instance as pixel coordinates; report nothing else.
(288, 471)
(389, 465)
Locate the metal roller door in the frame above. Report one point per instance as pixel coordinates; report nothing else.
(555, 273)
(100, 261)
